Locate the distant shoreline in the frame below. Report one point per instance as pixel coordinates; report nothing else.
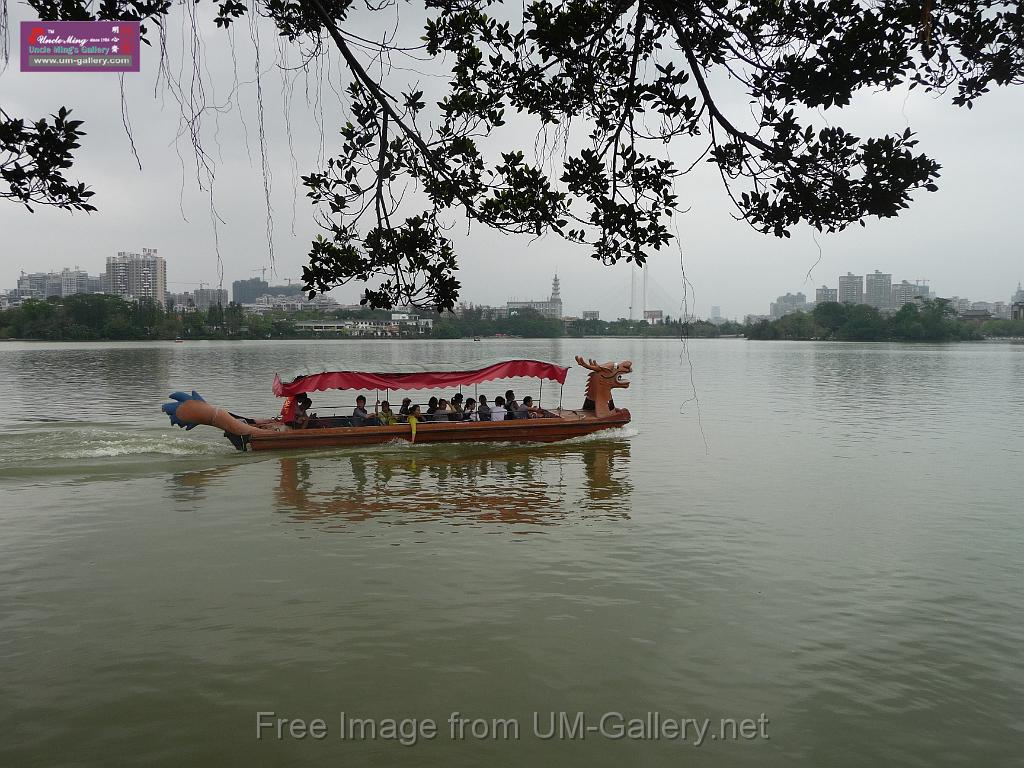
(990, 339)
(355, 338)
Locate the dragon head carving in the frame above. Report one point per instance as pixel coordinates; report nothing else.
(604, 377)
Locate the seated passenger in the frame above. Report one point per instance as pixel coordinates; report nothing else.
(431, 408)
(403, 412)
(302, 411)
(295, 412)
(288, 409)
(528, 410)
(498, 411)
(484, 410)
(385, 416)
(444, 411)
(360, 416)
(456, 406)
(511, 406)
(469, 412)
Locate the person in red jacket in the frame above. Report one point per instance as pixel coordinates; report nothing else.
(295, 411)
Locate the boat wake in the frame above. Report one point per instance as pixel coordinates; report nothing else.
(99, 447)
(619, 433)
(65, 445)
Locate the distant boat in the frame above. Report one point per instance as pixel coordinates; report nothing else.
(179, 340)
(476, 338)
(598, 411)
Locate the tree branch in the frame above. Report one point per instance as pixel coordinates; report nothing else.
(381, 97)
(721, 119)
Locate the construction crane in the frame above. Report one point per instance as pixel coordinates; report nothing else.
(263, 273)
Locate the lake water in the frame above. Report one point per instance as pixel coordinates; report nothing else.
(827, 537)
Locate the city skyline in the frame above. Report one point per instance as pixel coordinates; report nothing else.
(849, 287)
(876, 289)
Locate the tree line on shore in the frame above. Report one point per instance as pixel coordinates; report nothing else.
(529, 323)
(934, 320)
(98, 317)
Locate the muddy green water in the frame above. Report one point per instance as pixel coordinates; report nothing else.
(829, 538)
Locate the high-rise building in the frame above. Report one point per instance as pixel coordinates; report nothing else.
(851, 289)
(137, 276)
(247, 291)
(905, 293)
(591, 314)
(552, 308)
(181, 302)
(878, 290)
(32, 285)
(785, 305)
(67, 282)
(825, 294)
(204, 298)
(292, 289)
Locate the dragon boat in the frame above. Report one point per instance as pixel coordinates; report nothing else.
(598, 412)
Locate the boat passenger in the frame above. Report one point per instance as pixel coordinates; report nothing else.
(302, 414)
(444, 411)
(498, 411)
(484, 410)
(469, 411)
(288, 409)
(528, 410)
(403, 412)
(385, 416)
(511, 406)
(295, 412)
(431, 407)
(456, 406)
(360, 416)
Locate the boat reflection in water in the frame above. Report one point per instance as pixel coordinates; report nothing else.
(532, 485)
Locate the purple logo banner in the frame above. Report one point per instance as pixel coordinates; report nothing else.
(80, 46)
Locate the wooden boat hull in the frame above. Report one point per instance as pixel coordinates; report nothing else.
(563, 426)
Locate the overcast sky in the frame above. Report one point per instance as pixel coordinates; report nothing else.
(965, 239)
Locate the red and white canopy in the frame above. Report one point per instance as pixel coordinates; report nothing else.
(418, 379)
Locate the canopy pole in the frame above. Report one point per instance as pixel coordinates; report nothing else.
(561, 387)
(540, 397)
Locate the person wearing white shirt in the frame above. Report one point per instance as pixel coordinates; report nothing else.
(498, 409)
